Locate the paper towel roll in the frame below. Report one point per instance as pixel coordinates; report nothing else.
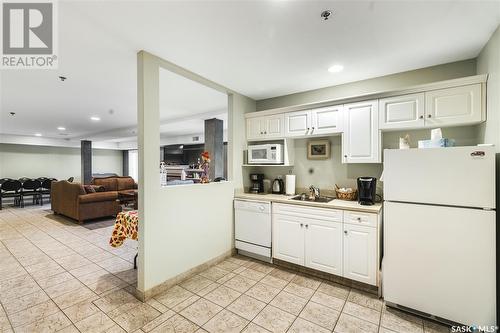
(290, 184)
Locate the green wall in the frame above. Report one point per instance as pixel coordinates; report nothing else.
(389, 82)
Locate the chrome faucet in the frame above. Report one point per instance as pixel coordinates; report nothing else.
(313, 192)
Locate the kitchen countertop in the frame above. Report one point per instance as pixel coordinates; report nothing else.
(334, 204)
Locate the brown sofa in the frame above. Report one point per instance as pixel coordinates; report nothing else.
(71, 200)
(116, 183)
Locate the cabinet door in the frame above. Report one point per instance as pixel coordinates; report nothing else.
(327, 120)
(255, 128)
(323, 246)
(288, 239)
(361, 137)
(402, 112)
(274, 126)
(360, 253)
(453, 106)
(297, 123)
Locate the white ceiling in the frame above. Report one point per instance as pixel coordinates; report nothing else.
(258, 48)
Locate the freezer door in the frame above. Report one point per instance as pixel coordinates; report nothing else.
(459, 176)
(441, 261)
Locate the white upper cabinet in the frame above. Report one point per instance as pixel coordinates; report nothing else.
(266, 127)
(400, 112)
(454, 102)
(327, 120)
(321, 121)
(361, 137)
(454, 106)
(254, 128)
(298, 123)
(274, 126)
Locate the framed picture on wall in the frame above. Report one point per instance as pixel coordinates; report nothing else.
(318, 150)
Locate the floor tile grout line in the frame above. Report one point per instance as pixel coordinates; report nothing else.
(51, 299)
(53, 259)
(61, 310)
(36, 304)
(7, 316)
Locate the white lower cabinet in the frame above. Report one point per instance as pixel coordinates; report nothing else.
(288, 239)
(323, 246)
(360, 253)
(319, 239)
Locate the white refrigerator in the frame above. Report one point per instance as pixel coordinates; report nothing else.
(439, 232)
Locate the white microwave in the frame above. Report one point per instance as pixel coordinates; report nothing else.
(265, 154)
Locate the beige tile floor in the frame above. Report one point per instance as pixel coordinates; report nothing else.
(56, 275)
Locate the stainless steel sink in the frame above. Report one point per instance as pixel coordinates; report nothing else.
(304, 197)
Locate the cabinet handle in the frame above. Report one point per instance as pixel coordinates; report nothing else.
(345, 232)
(421, 117)
(265, 132)
(359, 219)
(307, 225)
(429, 116)
(301, 225)
(261, 133)
(345, 156)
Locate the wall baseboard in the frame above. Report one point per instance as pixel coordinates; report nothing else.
(158, 289)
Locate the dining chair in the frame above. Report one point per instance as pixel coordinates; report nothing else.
(23, 179)
(30, 188)
(45, 189)
(10, 188)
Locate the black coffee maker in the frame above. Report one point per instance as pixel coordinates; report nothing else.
(257, 185)
(366, 190)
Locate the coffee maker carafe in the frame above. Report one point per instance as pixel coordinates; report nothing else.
(366, 190)
(257, 185)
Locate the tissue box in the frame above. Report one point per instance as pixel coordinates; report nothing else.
(437, 143)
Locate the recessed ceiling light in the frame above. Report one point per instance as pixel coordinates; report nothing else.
(336, 68)
(60, 128)
(94, 118)
(38, 134)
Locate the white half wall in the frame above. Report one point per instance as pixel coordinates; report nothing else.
(191, 225)
(18, 161)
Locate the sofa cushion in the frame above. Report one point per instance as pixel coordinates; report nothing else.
(110, 184)
(99, 196)
(89, 189)
(99, 188)
(125, 183)
(82, 188)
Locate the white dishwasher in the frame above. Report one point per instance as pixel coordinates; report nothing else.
(252, 228)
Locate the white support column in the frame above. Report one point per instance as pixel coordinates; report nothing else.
(148, 143)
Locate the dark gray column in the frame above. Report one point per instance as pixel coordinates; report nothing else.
(86, 161)
(163, 153)
(125, 163)
(214, 144)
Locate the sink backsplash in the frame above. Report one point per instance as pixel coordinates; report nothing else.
(321, 173)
